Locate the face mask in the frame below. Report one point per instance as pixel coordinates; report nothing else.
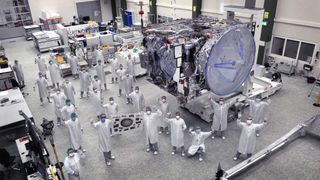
(249, 122)
(220, 102)
(177, 117)
(163, 100)
(136, 91)
(71, 155)
(258, 99)
(58, 92)
(148, 112)
(111, 102)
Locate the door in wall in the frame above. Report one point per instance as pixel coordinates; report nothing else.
(90, 10)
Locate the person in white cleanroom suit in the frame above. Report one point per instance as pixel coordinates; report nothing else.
(130, 65)
(73, 164)
(258, 110)
(112, 108)
(69, 91)
(97, 102)
(178, 126)
(101, 74)
(75, 131)
(220, 117)
(55, 74)
(247, 142)
(128, 85)
(115, 66)
(197, 144)
(17, 68)
(164, 107)
(74, 65)
(103, 128)
(99, 55)
(42, 85)
(150, 125)
(121, 72)
(80, 53)
(41, 65)
(59, 99)
(67, 110)
(137, 99)
(85, 80)
(96, 83)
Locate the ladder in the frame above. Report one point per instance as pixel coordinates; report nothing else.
(315, 84)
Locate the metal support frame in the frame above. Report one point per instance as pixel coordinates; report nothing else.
(153, 10)
(114, 9)
(196, 8)
(299, 131)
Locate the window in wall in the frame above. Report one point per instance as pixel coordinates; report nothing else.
(277, 45)
(306, 50)
(291, 50)
(294, 49)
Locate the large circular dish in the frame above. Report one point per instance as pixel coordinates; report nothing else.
(230, 61)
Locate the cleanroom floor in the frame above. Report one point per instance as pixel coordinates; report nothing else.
(290, 106)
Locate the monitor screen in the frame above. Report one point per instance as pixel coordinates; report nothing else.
(86, 18)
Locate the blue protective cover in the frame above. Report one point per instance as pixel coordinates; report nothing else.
(230, 61)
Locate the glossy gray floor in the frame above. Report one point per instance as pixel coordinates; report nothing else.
(290, 106)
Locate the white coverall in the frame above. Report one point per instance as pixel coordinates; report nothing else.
(79, 53)
(67, 111)
(74, 65)
(130, 65)
(55, 73)
(150, 125)
(247, 142)
(164, 107)
(99, 55)
(97, 103)
(137, 100)
(121, 73)
(59, 100)
(72, 165)
(74, 128)
(198, 141)
(111, 109)
(258, 110)
(69, 91)
(42, 84)
(220, 117)
(41, 65)
(128, 84)
(17, 68)
(104, 135)
(85, 80)
(97, 84)
(100, 73)
(177, 132)
(114, 67)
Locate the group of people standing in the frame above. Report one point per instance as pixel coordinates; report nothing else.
(156, 120)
